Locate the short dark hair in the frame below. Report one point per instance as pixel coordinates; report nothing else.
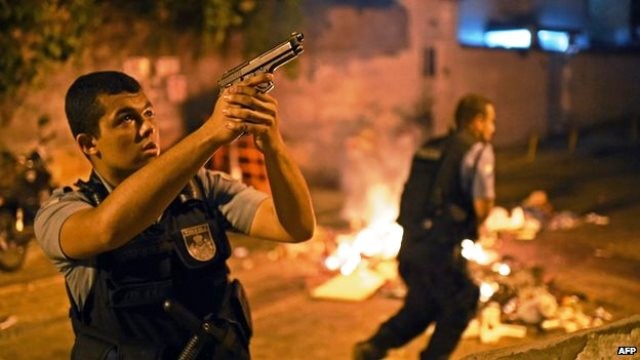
(82, 106)
(469, 107)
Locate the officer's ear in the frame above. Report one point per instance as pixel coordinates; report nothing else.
(87, 144)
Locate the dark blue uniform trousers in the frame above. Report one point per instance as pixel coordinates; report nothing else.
(436, 292)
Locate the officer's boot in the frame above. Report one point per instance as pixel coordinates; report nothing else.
(367, 350)
(376, 347)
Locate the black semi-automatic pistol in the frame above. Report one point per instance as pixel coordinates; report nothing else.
(268, 61)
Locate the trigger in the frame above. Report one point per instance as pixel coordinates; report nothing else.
(265, 87)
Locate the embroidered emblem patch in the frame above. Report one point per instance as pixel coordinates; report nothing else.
(199, 242)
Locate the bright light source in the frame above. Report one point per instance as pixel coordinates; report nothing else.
(487, 289)
(333, 262)
(19, 220)
(509, 39)
(350, 265)
(551, 40)
(474, 252)
(501, 268)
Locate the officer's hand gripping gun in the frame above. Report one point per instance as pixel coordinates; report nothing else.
(268, 61)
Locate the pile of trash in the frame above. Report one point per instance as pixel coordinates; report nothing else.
(534, 214)
(515, 299)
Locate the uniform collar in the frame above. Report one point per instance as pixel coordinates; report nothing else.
(103, 181)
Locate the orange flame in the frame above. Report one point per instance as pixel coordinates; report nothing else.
(379, 239)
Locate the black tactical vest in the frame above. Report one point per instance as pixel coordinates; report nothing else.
(181, 257)
(441, 214)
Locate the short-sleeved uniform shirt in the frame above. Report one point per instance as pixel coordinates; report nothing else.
(478, 171)
(236, 201)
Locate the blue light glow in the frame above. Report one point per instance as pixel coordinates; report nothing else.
(509, 39)
(551, 40)
(471, 37)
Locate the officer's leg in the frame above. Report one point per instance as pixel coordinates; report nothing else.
(456, 313)
(417, 312)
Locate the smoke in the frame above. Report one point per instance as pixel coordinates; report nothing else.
(373, 170)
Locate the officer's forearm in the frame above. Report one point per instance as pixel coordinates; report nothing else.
(291, 196)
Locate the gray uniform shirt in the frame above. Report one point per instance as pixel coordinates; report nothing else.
(481, 184)
(237, 202)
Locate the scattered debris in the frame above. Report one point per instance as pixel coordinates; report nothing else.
(517, 297)
(593, 218)
(564, 220)
(535, 213)
(356, 286)
(513, 297)
(489, 328)
(7, 321)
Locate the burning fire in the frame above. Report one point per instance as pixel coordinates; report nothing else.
(374, 169)
(381, 240)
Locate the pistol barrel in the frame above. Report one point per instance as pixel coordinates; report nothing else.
(268, 61)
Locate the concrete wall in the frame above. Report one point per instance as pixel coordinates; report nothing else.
(597, 343)
(604, 87)
(517, 84)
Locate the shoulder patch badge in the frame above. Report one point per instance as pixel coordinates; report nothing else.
(199, 242)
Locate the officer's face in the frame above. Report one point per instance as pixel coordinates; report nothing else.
(128, 133)
(487, 123)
